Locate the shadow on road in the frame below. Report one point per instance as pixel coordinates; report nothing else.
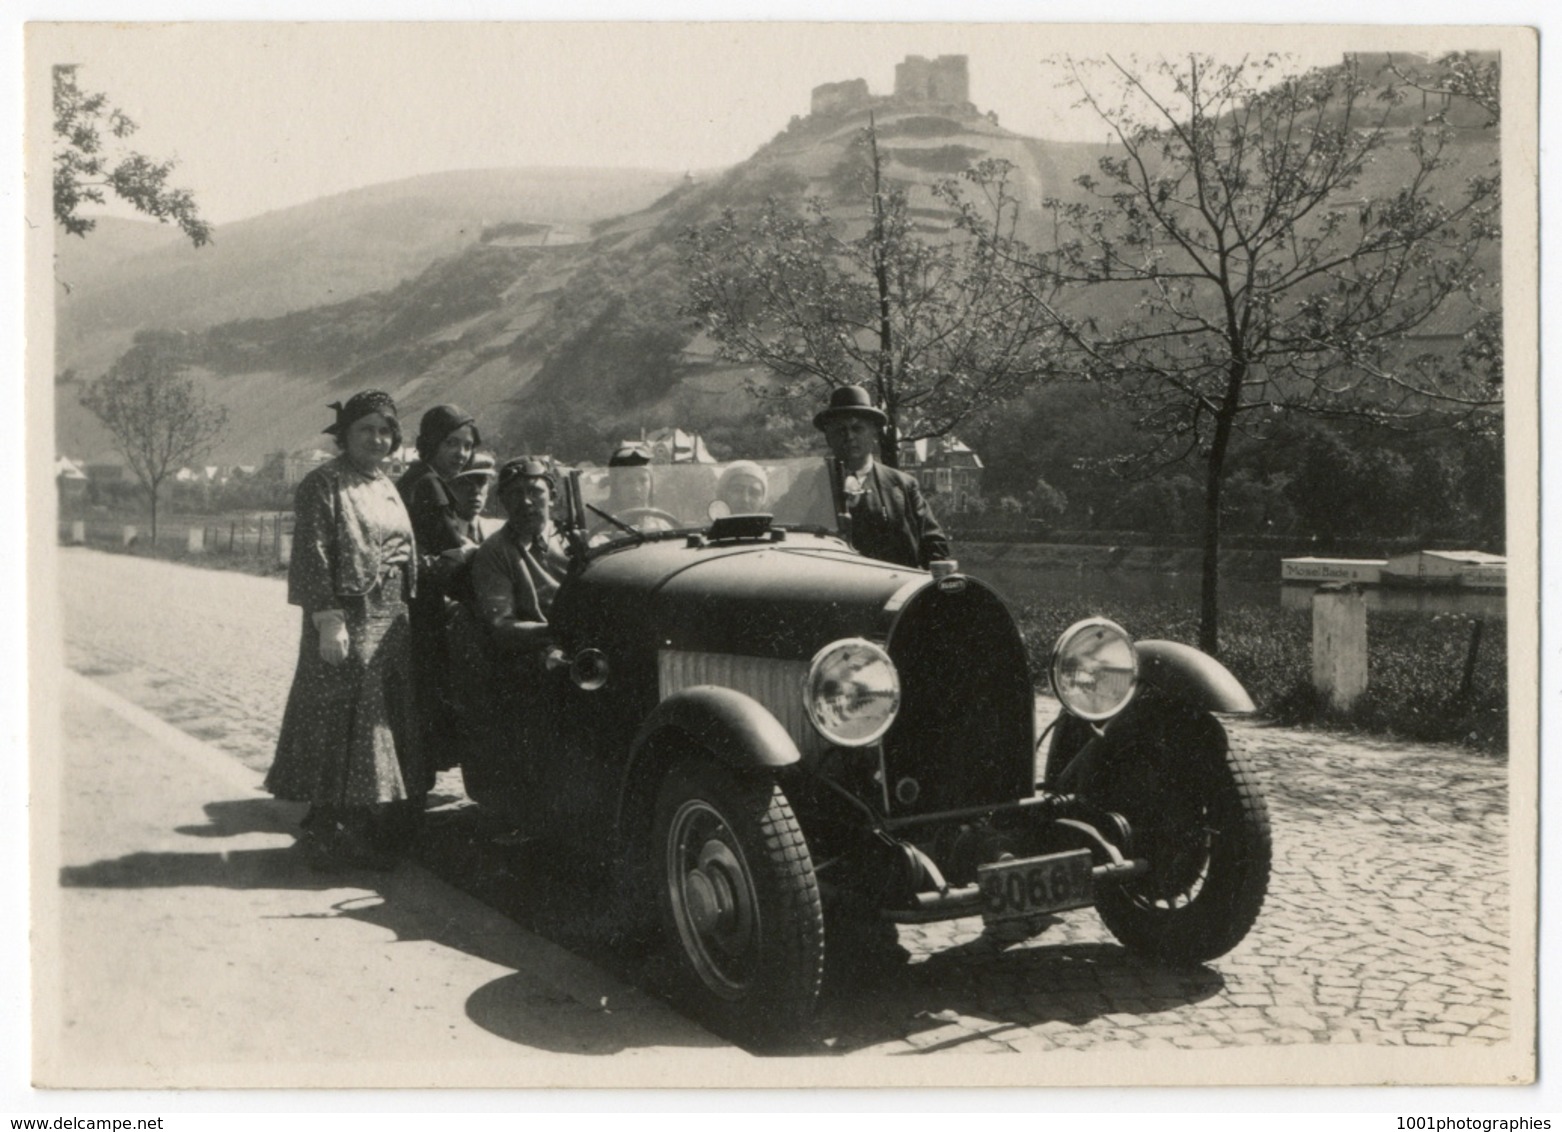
(245, 815)
(873, 994)
(241, 869)
(998, 990)
(879, 995)
(520, 1007)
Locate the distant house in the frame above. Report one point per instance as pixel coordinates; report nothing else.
(946, 468)
(70, 479)
(299, 463)
(108, 474)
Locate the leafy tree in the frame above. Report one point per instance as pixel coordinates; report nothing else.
(1266, 247)
(88, 160)
(158, 419)
(938, 327)
(1342, 488)
(1046, 502)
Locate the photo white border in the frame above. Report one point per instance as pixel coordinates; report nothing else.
(12, 437)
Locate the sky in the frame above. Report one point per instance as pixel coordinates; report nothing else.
(260, 116)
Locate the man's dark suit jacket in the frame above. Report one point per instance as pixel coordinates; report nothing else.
(893, 522)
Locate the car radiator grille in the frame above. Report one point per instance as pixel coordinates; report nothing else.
(777, 684)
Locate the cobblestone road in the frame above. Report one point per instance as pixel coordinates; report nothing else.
(1387, 921)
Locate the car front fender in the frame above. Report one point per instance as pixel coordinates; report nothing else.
(1183, 673)
(736, 729)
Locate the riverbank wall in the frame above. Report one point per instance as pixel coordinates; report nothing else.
(1260, 565)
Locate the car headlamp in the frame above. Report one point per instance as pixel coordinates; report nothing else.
(1094, 668)
(852, 693)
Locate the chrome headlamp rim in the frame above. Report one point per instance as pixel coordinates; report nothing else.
(811, 700)
(1067, 637)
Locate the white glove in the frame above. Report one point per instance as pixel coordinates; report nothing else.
(331, 625)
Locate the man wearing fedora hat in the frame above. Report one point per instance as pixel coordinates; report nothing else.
(890, 518)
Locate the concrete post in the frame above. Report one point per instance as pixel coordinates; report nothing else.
(128, 536)
(284, 549)
(1340, 644)
(78, 532)
(197, 540)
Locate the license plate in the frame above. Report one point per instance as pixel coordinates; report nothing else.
(1011, 889)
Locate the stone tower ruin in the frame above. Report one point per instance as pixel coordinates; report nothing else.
(943, 80)
(832, 98)
(918, 79)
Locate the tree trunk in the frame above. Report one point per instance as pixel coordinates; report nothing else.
(1209, 574)
(889, 436)
(154, 515)
(1214, 478)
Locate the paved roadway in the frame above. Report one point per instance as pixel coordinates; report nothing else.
(188, 943)
(1387, 922)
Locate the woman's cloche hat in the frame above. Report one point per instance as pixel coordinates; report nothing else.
(360, 405)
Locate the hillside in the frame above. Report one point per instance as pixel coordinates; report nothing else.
(533, 302)
(554, 335)
(129, 275)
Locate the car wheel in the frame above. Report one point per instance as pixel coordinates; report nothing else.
(738, 899)
(1199, 818)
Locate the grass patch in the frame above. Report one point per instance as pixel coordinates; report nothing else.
(1416, 666)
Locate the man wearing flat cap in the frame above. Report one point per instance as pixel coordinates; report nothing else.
(517, 571)
(890, 518)
(504, 634)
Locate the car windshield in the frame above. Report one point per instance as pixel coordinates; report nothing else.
(652, 498)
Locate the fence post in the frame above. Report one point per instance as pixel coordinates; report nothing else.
(1467, 684)
(233, 528)
(78, 532)
(197, 540)
(1339, 644)
(128, 535)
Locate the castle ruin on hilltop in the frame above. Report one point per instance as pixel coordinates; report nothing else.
(944, 81)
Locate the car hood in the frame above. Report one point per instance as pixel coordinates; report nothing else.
(782, 599)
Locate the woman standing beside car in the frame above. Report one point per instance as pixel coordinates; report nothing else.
(447, 441)
(350, 743)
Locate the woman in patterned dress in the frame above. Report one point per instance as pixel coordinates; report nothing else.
(350, 743)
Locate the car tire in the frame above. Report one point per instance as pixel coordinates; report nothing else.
(1199, 818)
(738, 899)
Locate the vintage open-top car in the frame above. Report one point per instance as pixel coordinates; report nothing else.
(776, 740)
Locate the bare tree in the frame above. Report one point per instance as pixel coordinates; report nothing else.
(88, 161)
(938, 326)
(1255, 247)
(159, 421)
